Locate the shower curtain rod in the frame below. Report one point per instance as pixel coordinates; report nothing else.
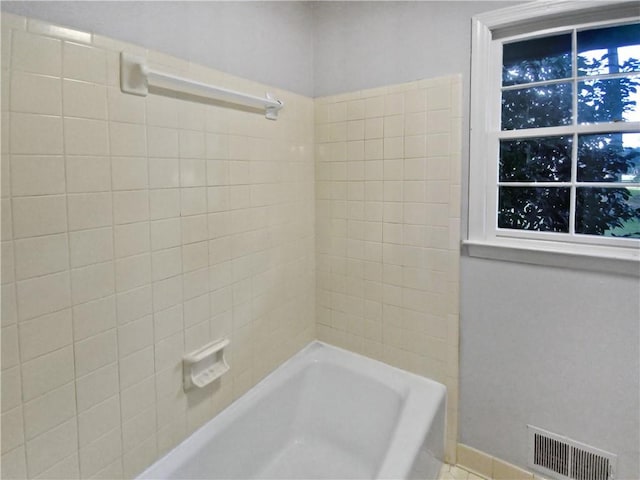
(136, 78)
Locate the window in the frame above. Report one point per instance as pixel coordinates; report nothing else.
(555, 144)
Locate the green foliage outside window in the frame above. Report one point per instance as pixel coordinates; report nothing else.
(604, 157)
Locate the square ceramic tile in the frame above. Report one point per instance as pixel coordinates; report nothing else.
(83, 62)
(169, 351)
(165, 233)
(129, 173)
(38, 256)
(42, 295)
(130, 206)
(85, 137)
(162, 142)
(194, 229)
(113, 470)
(132, 272)
(45, 334)
(136, 367)
(92, 282)
(37, 54)
(193, 201)
(167, 293)
(127, 139)
(91, 246)
(195, 256)
(37, 175)
(35, 94)
(97, 386)
(95, 352)
(164, 203)
(195, 283)
(135, 336)
(132, 239)
(88, 174)
(99, 454)
(94, 317)
(49, 448)
(415, 100)
(164, 172)
(439, 97)
(167, 322)
(66, 468)
(166, 263)
(196, 310)
(135, 399)
(192, 144)
(47, 373)
(162, 111)
(36, 134)
(137, 429)
(134, 304)
(85, 100)
(14, 463)
(125, 108)
(216, 146)
(34, 216)
(137, 460)
(49, 410)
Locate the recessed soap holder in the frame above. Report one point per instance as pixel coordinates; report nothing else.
(205, 365)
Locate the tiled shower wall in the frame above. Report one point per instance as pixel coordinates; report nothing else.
(388, 216)
(133, 230)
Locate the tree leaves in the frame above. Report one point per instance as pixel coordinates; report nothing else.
(601, 157)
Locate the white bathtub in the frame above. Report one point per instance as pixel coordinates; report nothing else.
(324, 414)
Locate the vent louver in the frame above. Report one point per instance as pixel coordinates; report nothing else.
(563, 458)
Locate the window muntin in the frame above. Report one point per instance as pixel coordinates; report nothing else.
(583, 183)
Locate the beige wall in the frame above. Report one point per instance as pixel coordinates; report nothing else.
(134, 230)
(388, 227)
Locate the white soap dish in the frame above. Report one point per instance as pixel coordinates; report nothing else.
(205, 365)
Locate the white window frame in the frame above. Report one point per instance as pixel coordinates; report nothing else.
(484, 238)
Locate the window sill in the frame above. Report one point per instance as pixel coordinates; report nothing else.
(580, 257)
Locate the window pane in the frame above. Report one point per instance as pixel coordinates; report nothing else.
(541, 159)
(544, 106)
(547, 58)
(609, 50)
(609, 212)
(527, 208)
(613, 157)
(612, 100)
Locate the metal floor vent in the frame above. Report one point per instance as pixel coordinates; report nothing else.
(563, 458)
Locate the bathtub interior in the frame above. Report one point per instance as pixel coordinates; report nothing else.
(317, 416)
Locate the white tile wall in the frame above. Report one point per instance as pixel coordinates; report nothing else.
(133, 230)
(387, 234)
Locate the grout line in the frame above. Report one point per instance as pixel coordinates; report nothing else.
(69, 252)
